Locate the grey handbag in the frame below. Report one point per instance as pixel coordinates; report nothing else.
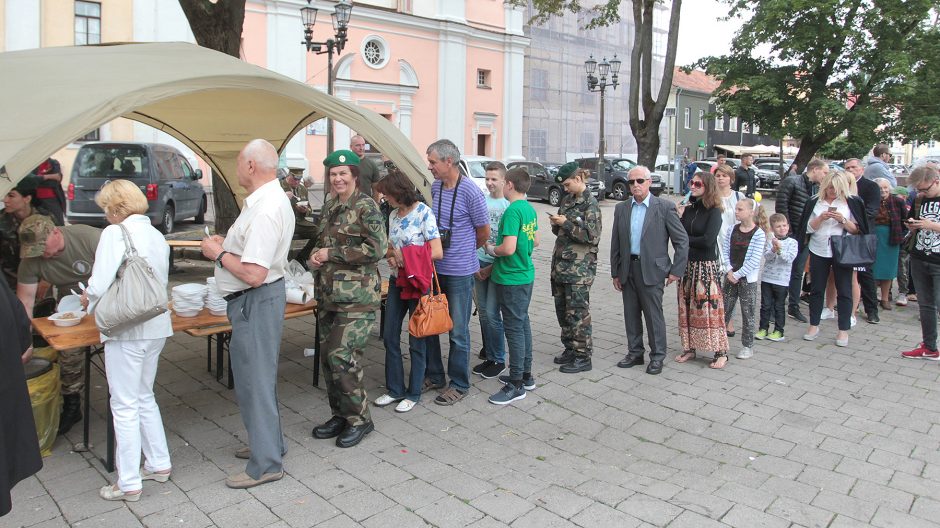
(135, 296)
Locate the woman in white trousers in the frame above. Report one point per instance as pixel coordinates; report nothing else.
(131, 356)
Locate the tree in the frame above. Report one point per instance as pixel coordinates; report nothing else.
(813, 70)
(646, 112)
(218, 25)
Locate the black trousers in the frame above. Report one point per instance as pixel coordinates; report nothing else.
(819, 275)
(866, 283)
(773, 302)
(796, 278)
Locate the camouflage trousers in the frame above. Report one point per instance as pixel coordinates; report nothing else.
(72, 370)
(573, 310)
(343, 338)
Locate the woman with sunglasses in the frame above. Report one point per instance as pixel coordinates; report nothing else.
(701, 309)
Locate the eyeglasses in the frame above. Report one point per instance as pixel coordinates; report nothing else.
(927, 188)
(638, 181)
(696, 184)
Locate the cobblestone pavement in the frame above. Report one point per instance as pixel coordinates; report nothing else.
(803, 434)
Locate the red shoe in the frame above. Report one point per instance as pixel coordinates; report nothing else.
(922, 352)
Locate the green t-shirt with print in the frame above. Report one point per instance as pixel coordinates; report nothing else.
(519, 220)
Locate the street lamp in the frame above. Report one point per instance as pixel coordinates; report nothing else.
(340, 16)
(599, 84)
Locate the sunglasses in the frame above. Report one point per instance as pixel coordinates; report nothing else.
(638, 181)
(696, 184)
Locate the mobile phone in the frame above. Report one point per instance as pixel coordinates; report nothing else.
(832, 209)
(549, 213)
(688, 196)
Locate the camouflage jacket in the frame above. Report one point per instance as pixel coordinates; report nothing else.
(574, 259)
(10, 245)
(300, 195)
(354, 232)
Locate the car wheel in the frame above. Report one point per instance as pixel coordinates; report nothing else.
(168, 221)
(619, 191)
(554, 196)
(201, 215)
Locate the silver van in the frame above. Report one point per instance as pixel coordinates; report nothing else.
(162, 172)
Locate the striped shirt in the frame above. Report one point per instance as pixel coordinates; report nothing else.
(470, 212)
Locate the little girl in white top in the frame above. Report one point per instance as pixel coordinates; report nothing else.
(743, 249)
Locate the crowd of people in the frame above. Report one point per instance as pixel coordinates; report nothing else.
(727, 252)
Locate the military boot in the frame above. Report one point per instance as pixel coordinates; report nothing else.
(71, 412)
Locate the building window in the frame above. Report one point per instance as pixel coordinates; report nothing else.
(539, 84)
(94, 135)
(87, 23)
(745, 127)
(588, 144)
(374, 52)
(719, 120)
(756, 129)
(687, 120)
(733, 124)
(538, 144)
(931, 144)
(483, 78)
(701, 119)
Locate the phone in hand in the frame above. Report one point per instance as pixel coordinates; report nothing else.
(686, 198)
(832, 209)
(549, 213)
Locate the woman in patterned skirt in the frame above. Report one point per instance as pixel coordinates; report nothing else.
(701, 310)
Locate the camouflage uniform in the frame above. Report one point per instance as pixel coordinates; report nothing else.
(349, 293)
(574, 265)
(10, 244)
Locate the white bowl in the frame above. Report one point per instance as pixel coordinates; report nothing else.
(187, 313)
(190, 289)
(60, 319)
(218, 313)
(70, 303)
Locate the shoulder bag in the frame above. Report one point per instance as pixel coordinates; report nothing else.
(854, 250)
(135, 296)
(432, 315)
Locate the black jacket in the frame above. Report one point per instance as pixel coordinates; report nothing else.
(791, 198)
(856, 207)
(870, 193)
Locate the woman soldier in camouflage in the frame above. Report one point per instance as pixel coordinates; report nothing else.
(351, 241)
(577, 227)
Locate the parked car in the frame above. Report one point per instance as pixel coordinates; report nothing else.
(544, 187)
(734, 162)
(615, 179)
(705, 166)
(475, 168)
(162, 172)
(768, 172)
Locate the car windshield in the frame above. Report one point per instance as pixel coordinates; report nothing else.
(477, 169)
(623, 164)
(103, 161)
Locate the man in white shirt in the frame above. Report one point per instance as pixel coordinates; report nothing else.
(250, 264)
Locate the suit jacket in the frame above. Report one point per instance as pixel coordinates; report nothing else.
(660, 226)
(870, 193)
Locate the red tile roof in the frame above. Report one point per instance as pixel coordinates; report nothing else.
(696, 81)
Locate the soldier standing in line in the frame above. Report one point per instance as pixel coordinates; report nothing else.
(351, 242)
(577, 227)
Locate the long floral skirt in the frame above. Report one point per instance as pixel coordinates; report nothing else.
(701, 309)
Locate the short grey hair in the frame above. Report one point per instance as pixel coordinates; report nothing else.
(922, 175)
(879, 181)
(263, 154)
(640, 170)
(445, 149)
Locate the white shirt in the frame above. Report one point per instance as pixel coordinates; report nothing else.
(109, 255)
(260, 235)
(819, 240)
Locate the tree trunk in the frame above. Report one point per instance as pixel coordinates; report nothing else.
(218, 25)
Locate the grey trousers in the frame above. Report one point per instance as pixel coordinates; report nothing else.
(749, 294)
(257, 319)
(643, 302)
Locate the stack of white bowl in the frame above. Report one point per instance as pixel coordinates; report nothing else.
(189, 299)
(214, 300)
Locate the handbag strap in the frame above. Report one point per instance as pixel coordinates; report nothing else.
(436, 282)
(129, 249)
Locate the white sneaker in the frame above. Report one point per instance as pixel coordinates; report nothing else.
(385, 399)
(405, 405)
(827, 313)
(746, 353)
(902, 299)
(854, 322)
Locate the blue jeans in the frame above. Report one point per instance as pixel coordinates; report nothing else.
(514, 305)
(491, 322)
(395, 310)
(459, 291)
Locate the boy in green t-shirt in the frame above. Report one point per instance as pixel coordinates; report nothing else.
(513, 274)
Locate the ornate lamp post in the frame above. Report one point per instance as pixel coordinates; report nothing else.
(340, 16)
(599, 84)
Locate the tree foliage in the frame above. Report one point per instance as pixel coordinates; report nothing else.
(812, 69)
(646, 102)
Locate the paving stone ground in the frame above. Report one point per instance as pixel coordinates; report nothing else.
(803, 434)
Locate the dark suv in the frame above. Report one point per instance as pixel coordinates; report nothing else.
(163, 174)
(544, 187)
(615, 179)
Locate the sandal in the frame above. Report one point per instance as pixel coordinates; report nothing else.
(685, 356)
(113, 493)
(450, 397)
(429, 385)
(717, 363)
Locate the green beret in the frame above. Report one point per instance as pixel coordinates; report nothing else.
(341, 157)
(566, 171)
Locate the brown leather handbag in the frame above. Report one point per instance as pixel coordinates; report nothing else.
(432, 315)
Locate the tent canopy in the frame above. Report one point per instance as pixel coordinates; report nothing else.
(211, 102)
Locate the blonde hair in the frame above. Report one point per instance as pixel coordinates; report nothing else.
(838, 182)
(758, 213)
(121, 199)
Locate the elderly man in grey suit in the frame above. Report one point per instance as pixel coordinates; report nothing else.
(641, 268)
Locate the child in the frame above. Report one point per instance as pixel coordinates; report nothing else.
(743, 250)
(491, 322)
(775, 279)
(514, 273)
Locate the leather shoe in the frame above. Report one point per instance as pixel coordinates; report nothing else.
(628, 361)
(333, 427)
(655, 367)
(354, 434)
(578, 364)
(796, 314)
(564, 358)
(873, 318)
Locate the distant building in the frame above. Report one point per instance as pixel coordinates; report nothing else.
(690, 97)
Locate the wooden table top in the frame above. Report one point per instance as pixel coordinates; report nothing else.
(184, 243)
(86, 333)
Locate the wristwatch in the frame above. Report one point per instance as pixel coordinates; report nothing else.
(218, 260)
